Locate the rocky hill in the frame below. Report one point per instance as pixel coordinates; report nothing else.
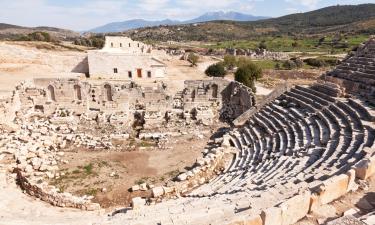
(12, 32)
(358, 19)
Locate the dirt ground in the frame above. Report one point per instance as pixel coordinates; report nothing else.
(108, 175)
(363, 200)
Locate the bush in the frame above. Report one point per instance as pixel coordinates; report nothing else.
(216, 70)
(315, 62)
(262, 45)
(289, 65)
(230, 61)
(247, 74)
(293, 63)
(193, 59)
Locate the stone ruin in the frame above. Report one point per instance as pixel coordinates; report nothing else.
(303, 147)
(357, 72)
(258, 54)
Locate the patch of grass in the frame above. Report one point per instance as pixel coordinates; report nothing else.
(88, 168)
(145, 180)
(103, 163)
(92, 191)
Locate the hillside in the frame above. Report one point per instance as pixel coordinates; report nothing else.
(140, 23)
(12, 32)
(357, 19)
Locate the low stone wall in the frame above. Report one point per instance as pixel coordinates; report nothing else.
(51, 195)
(279, 90)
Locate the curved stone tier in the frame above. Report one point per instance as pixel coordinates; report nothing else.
(357, 73)
(306, 139)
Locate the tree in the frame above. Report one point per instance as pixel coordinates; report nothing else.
(289, 65)
(295, 44)
(277, 66)
(193, 59)
(230, 61)
(216, 70)
(262, 45)
(247, 74)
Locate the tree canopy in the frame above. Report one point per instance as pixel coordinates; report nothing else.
(216, 70)
(247, 73)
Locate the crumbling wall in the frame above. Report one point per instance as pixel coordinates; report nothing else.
(200, 102)
(51, 195)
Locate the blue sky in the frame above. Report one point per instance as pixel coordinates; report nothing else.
(85, 14)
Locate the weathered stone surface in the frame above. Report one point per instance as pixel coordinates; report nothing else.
(333, 188)
(138, 202)
(272, 216)
(365, 168)
(295, 208)
(157, 192)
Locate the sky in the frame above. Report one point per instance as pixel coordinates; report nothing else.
(81, 15)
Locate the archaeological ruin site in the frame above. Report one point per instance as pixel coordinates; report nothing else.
(260, 161)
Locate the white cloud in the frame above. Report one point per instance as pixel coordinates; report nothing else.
(311, 4)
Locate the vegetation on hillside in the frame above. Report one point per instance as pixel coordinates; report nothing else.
(358, 19)
(37, 36)
(96, 41)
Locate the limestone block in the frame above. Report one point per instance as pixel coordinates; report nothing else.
(138, 202)
(271, 216)
(92, 207)
(333, 188)
(365, 168)
(143, 187)
(253, 220)
(135, 188)
(315, 202)
(157, 192)
(352, 186)
(182, 177)
(295, 208)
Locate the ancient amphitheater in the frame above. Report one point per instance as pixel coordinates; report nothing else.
(300, 148)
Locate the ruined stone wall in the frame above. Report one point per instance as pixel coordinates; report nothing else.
(279, 90)
(53, 196)
(201, 102)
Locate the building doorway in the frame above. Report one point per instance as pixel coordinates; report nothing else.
(139, 73)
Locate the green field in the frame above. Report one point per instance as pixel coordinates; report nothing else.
(292, 44)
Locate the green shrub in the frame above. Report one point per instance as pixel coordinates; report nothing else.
(193, 59)
(216, 70)
(230, 61)
(247, 74)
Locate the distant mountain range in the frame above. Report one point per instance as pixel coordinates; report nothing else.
(140, 23)
(344, 19)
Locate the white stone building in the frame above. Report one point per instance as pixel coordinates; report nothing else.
(122, 58)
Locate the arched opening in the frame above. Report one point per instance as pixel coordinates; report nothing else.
(77, 92)
(193, 95)
(214, 90)
(51, 93)
(108, 91)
